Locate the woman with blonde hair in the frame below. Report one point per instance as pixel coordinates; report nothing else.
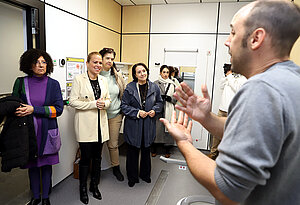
(90, 98)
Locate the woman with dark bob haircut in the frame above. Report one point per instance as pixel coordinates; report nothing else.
(141, 103)
(43, 100)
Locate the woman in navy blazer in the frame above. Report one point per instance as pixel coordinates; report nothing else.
(141, 103)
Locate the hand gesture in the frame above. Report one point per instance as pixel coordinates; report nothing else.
(151, 113)
(24, 110)
(181, 129)
(100, 103)
(198, 108)
(143, 114)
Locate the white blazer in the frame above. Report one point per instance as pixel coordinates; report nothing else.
(86, 112)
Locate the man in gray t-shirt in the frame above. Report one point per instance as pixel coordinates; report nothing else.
(259, 154)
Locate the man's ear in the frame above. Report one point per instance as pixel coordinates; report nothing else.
(257, 38)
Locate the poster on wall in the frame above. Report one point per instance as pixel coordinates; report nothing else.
(74, 66)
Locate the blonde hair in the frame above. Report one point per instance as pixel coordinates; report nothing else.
(91, 54)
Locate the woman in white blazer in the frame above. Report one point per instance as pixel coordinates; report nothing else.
(90, 97)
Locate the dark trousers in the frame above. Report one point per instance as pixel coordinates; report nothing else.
(132, 163)
(36, 176)
(90, 151)
(155, 146)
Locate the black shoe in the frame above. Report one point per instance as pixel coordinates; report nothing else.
(96, 193)
(34, 201)
(117, 173)
(131, 183)
(46, 201)
(84, 198)
(146, 179)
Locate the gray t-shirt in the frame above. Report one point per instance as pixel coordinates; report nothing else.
(259, 158)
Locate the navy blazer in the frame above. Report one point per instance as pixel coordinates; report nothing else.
(135, 127)
(53, 107)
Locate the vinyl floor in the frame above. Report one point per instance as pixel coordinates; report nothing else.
(178, 183)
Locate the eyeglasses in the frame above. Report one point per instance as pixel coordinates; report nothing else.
(41, 63)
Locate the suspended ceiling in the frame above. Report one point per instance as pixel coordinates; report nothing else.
(152, 2)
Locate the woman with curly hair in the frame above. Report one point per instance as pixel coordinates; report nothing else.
(42, 98)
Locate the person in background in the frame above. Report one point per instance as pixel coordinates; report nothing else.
(259, 155)
(116, 86)
(172, 74)
(42, 98)
(90, 98)
(167, 89)
(141, 102)
(230, 84)
(176, 75)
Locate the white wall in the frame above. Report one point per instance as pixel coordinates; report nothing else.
(190, 27)
(66, 36)
(227, 11)
(184, 18)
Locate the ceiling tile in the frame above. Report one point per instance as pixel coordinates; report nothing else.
(124, 2)
(213, 1)
(182, 1)
(153, 2)
(143, 2)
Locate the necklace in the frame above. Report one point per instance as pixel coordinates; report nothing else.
(96, 88)
(143, 94)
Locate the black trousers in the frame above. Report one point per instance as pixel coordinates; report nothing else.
(90, 151)
(167, 148)
(132, 163)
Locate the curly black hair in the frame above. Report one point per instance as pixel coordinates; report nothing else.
(135, 79)
(29, 59)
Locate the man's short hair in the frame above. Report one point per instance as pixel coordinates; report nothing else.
(280, 19)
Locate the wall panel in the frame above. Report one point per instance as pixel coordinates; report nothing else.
(136, 19)
(295, 54)
(227, 11)
(99, 38)
(77, 7)
(135, 50)
(106, 13)
(184, 18)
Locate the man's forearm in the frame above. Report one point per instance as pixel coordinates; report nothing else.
(214, 124)
(202, 168)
